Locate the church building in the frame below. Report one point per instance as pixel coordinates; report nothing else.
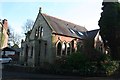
(50, 39)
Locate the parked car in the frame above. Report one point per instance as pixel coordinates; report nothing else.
(4, 60)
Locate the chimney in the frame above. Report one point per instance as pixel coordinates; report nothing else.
(5, 23)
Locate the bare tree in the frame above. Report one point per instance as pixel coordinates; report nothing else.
(28, 25)
(14, 38)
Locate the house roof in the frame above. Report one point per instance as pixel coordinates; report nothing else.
(62, 27)
(91, 34)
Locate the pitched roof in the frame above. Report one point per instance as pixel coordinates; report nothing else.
(91, 34)
(63, 27)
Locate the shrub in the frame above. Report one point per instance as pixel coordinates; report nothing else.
(76, 60)
(79, 63)
(108, 65)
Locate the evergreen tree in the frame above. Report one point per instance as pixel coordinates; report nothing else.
(109, 23)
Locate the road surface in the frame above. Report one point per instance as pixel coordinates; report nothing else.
(6, 75)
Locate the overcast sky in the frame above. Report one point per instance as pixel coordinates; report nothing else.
(82, 12)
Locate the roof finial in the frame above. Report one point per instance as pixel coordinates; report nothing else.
(40, 9)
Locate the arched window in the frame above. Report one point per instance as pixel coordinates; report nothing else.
(72, 45)
(68, 49)
(36, 33)
(40, 32)
(64, 49)
(59, 48)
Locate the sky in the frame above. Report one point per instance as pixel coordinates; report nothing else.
(85, 13)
